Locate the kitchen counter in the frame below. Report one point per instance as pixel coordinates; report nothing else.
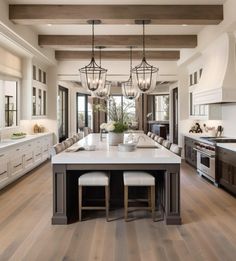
(228, 146)
(68, 166)
(7, 143)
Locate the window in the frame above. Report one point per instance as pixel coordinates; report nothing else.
(34, 73)
(161, 103)
(10, 93)
(126, 108)
(44, 78)
(34, 101)
(84, 111)
(44, 102)
(40, 75)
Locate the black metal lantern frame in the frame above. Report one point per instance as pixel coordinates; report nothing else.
(93, 76)
(102, 93)
(145, 75)
(128, 89)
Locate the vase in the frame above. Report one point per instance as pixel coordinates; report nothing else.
(115, 138)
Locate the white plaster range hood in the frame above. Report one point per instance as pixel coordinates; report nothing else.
(218, 80)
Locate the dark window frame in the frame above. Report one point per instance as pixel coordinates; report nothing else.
(8, 110)
(78, 94)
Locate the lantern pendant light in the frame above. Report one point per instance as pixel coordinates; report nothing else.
(93, 77)
(145, 75)
(104, 92)
(128, 89)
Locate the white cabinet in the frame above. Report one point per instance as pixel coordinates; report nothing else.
(4, 167)
(17, 160)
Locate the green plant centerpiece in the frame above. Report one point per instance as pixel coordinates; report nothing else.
(118, 117)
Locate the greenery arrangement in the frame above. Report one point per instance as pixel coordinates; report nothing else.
(117, 114)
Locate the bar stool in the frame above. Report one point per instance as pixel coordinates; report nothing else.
(92, 179)
(176, 149)
(143, 179)
(166, 144)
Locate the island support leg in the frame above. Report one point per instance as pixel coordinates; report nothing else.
(59, 195)
(172, 197)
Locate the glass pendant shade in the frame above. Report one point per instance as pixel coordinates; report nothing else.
(103, 93)
(145, 77)
(144, 74)
(128, 89)
(93, 76)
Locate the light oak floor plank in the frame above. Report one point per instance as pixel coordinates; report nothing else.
(208, 231)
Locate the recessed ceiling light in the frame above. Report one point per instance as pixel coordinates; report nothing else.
(49, 24)
(184, 25)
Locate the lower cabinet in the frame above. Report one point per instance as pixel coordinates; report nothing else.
(226, 169)
(190, 153)
(17, 160)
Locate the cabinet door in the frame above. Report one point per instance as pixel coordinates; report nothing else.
(233, 179)
(16, 162)
(4, 167)
(225, 173)
(37, 151)
(28, 155)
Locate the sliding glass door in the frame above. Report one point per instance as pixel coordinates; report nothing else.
(62, 113)
(84, 111)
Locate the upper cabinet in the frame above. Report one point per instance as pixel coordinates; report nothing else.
(39, 92)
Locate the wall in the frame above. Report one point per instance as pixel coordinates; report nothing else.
(228, 122)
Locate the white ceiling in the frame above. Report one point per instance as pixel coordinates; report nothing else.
(141, 2)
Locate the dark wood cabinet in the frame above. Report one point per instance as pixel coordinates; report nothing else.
(226, 169)
(190, 153)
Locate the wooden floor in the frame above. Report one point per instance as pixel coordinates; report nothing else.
(208, 231)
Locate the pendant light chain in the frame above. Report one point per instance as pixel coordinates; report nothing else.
(131, 58)
(143, 39)
(93, 39)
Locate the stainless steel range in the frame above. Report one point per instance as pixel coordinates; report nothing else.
(206, 154)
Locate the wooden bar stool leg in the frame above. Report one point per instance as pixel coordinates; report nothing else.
(107, 202)
(153, 198)
(80, 203)
(149, 198)
(126, 198)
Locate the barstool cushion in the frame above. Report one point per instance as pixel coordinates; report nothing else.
(138, 178)
(95, 178)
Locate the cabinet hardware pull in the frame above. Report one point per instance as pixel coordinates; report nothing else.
(17, 165)
(17, 149)
(29, 159)
(3, 172)
(1, 155)
(38, 154)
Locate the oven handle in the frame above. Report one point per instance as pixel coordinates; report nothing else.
(204, 153)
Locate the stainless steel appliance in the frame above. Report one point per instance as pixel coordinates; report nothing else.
(206, 155)
(206, 160)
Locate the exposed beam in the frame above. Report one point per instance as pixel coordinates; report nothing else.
(116, 41)
(116, 14)
(118, 55)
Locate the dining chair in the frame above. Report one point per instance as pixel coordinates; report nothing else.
(139, 179)
(160, 140)
(166, 144)
(94, 179)
(176, 149)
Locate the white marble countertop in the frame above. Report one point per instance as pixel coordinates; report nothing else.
(7, 143)
(105, 154)
(228, 146)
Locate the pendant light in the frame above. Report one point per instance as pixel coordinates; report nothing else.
(102, 93)
(145, 75)
(128, 89)
(93, 77)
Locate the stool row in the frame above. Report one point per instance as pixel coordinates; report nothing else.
(166, 143)
(131, 178)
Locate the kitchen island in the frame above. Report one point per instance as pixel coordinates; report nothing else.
(149, 156)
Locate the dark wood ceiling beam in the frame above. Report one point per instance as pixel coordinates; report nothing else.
(118, 55)
(117, 41)
(116, 14)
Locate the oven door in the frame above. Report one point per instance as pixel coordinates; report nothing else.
(206, 164)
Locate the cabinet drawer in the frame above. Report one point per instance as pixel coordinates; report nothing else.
(28, 158)
(3, 169)
(17, 165)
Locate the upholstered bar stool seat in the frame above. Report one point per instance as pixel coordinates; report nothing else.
(92, 179)
(139, 178)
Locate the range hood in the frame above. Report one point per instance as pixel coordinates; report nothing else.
(218, 80)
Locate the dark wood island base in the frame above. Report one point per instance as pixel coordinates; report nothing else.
(65, 188)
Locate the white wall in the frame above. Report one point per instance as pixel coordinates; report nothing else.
(229, 119)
